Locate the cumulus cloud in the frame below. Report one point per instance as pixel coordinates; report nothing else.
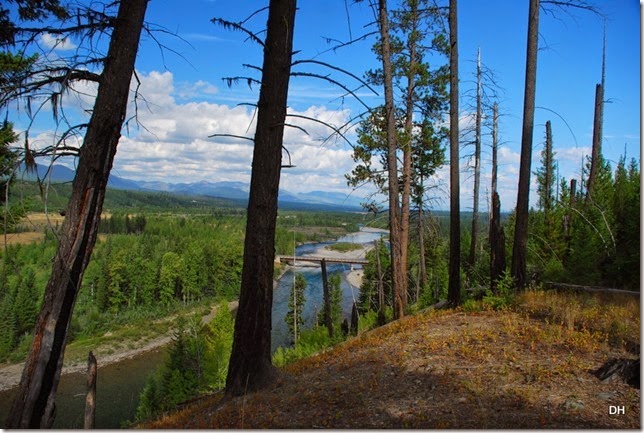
(192, 141)
(184, 136)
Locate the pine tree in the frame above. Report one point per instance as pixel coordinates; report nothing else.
(294, 318)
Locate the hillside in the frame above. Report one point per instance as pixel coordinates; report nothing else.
(529, 367)
(222, 193)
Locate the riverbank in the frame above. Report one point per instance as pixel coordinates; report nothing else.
(105, 354)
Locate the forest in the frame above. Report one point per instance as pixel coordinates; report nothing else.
(103, 259)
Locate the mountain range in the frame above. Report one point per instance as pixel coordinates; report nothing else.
(225, 189)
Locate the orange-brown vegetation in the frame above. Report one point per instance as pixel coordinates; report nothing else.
(530, 366)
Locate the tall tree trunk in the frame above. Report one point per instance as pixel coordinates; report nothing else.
(597, 140)
(454, 289)
(34, 405)
(598, 125)
(549, 174)
(381, 289)
(250, 366)
(497, 237)
(477, 164)
(395, 231)
(519, 247)
(495, 147)
(328, 322)
(421, 246)
(568, 219)
(407, 149)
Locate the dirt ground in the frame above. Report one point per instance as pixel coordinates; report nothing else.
(438, 370)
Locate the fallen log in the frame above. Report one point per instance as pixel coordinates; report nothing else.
(624, 369)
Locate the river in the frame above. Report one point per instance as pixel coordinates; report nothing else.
(119, 384)
(313, 294)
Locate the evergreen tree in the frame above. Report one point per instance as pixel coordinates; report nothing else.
(8, 325)
(170, 277)
(294, 318)
(335, 297)
(219, 342)
(368, 299)
(623, 269)
(27, 302)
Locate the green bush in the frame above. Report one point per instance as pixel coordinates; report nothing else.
(310, 342)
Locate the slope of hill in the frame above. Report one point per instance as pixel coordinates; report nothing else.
(237, 191)
(447, 369)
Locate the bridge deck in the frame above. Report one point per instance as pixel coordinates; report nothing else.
(319, 259)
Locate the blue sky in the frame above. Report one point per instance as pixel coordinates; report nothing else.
(187, 101)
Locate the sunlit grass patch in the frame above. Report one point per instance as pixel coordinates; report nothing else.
(613, 317)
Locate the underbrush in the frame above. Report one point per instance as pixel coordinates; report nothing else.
(614, 317)
(311, 341)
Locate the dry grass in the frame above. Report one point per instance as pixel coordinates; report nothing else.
(32, 228)
(447, 369)
(614, 317)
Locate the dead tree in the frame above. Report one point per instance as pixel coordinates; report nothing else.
(477, 164)
(35, 402)
(497, 236)
(90, 399)
(598, 126)
(454, 287)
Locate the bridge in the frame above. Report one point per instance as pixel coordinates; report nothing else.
(299, 259)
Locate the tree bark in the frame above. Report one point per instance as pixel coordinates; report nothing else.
(497, 237)
(598, 125)
(477, 164)
(250, 365)
(327, 299)
(454, 289)
(90, 399)
(421, 247)
(34, 404)
(497, 244)
(395, 231)
(549, 174)
(519, 247)
(381, 289)
(407, 148)
(597, 140)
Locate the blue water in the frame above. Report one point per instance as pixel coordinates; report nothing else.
(313, 294)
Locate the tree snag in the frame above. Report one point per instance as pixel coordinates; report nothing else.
(34, 404)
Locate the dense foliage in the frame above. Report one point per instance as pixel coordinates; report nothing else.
(197, 362)
(144, 269)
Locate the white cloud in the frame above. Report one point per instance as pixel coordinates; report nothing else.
(54, 42)
(174, 143)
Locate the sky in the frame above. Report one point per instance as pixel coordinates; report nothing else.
(186, 101)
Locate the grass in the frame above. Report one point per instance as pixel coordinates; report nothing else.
(614, 318)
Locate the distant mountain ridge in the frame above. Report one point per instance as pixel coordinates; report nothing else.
(224, 189)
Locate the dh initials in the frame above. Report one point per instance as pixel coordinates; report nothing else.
(616, 410)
